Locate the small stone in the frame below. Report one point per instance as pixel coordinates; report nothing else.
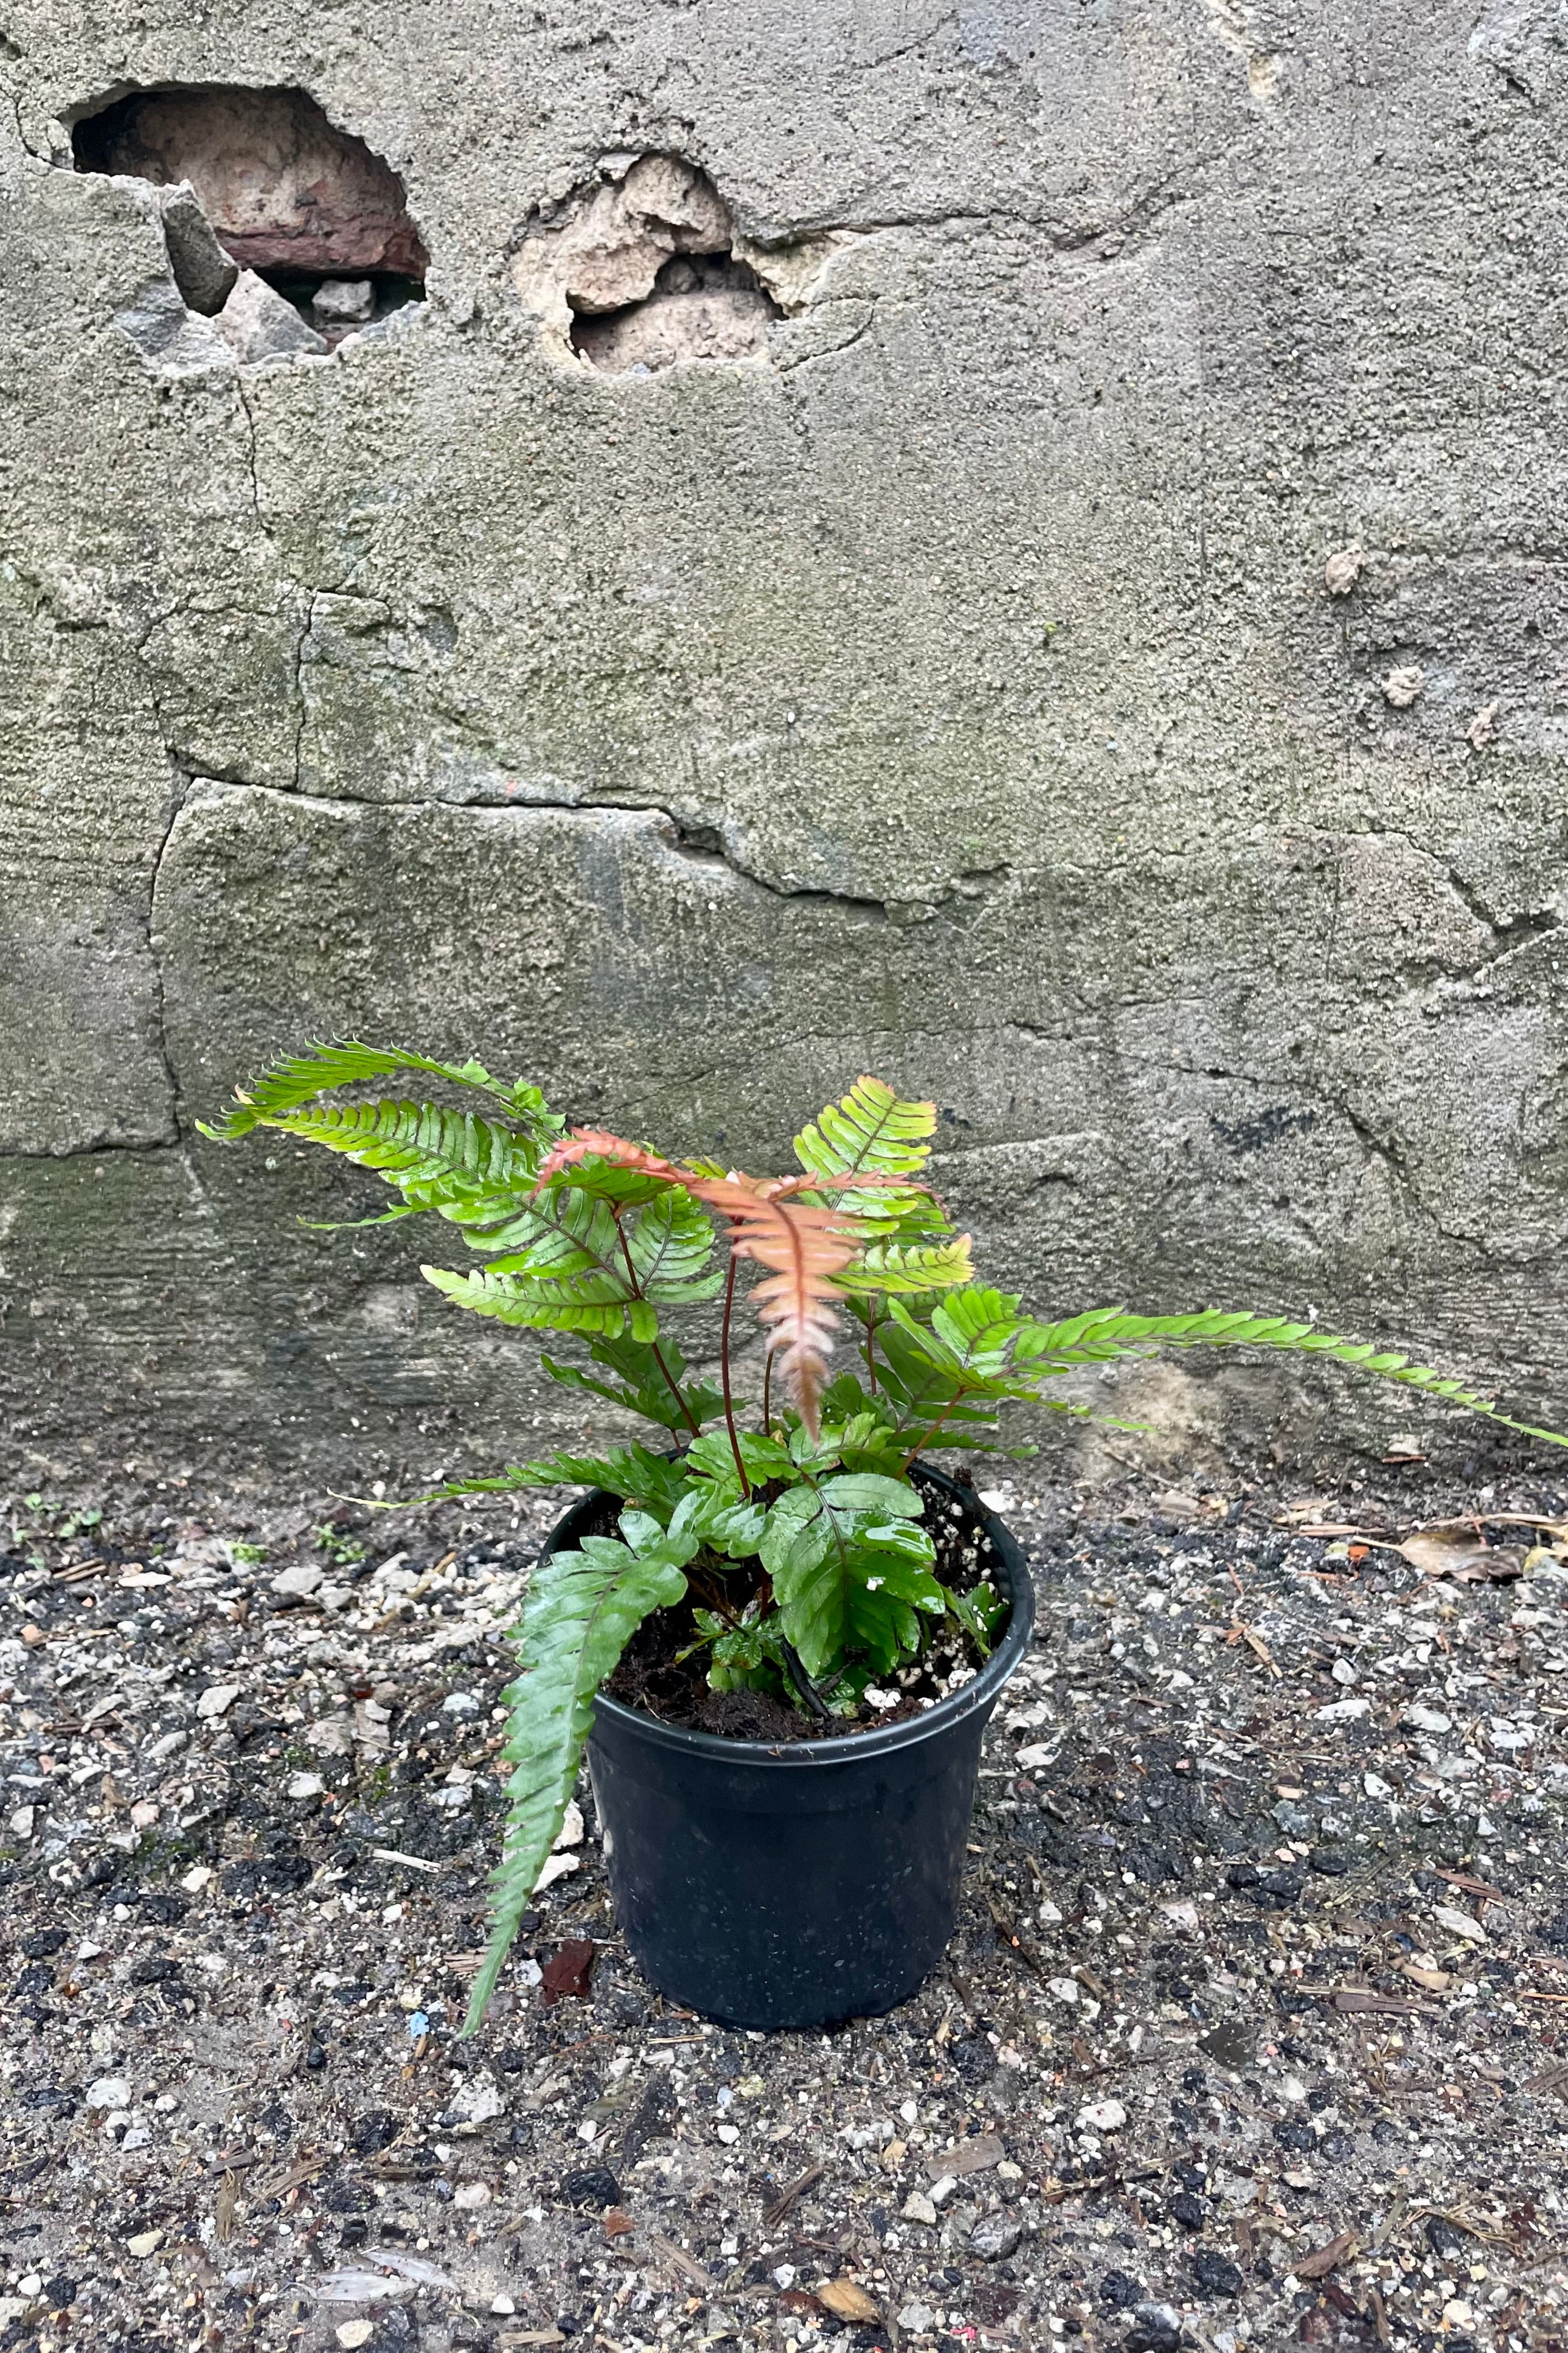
(30, 2285)
(21, 1821)
(144, 1814)
(1402, 687)
(571, 1832)
(728, 2135)
(258, 324)
(995, 2238)
(1343, 1711)
(196, 1879)
(217, 1699)
(1482, 727)
(356, 2332)
(145, 2243)
(109, 2092)
(1343, 1673)
(916, 2318)
(918, 2209)
(1343, 569)
(470, 2194)
(1156, 2328)
(1102, 2116)
(1459, 1924)
(306, 1785)
(503, 2304)
(297, 1584)
(941, 2188)
(204, 272)
(34, 1637)
(343, 298)
(592, 2185)
(1426, 1719)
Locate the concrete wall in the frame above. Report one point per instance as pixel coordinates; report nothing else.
(953, 691)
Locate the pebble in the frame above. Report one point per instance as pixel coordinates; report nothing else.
(503, 2304)
(355, 2332)
(145, 2243)
(1102, 2116)
(109, 2092)
(995, 2238)
(297, 1584)
(918, 2207)
(217, 1699)
(306, 1785)
(343, 298)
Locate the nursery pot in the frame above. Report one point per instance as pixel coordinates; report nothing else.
(794, 1886)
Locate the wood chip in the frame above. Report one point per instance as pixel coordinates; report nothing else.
(977, 2154)
(1322, 2261)
(847, 2300)
(1472, 1886)
(678, 2260)
(224, 2211)
(784, 2204)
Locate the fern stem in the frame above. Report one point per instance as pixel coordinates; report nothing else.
(928, 1438)
(671, 1382)
(767, 1393)
(871, 1345)
(724, 1383)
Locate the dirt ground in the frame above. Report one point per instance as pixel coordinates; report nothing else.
(1253, 2031)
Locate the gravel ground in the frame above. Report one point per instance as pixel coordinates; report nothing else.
(1253, 2031)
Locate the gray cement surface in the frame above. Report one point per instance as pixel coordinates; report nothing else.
(1089, 647)
(1250, 2034)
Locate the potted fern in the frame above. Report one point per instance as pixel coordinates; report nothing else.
(802, 1624)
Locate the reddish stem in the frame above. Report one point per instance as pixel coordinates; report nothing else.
(872, 1346)
(671, 1382)
(767, 1387)
(725, 1382)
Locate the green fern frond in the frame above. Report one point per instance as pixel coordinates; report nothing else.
(348, 1062)
(909, 1268)
(1105, 1334)
(467, 1169)
(588, 1301)
(654, 1483)
(670, 1243)
(652, 1385)
(583, 1608)
(872, 1132)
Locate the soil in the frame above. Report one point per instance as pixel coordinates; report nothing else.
(1251, 2033)
(655, 1677)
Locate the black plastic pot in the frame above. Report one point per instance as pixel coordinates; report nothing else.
(796, 1886)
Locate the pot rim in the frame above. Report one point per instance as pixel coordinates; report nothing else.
(876, 1740)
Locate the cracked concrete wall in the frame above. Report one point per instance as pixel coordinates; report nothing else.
(953, 691)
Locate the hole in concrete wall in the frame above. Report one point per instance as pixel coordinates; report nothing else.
(302, 208)
(646, 271)
(704, 307)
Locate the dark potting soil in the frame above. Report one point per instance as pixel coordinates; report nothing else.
(653, 1677)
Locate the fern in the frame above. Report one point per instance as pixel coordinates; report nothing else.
(909, 1267)
(583, 1608)
(650, 1382)
(289, 1084)
(871, 1132)
(586, 1269)
(1107, 1332)
(804, 1536)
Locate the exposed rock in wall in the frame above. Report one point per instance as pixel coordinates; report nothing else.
(282, 186)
